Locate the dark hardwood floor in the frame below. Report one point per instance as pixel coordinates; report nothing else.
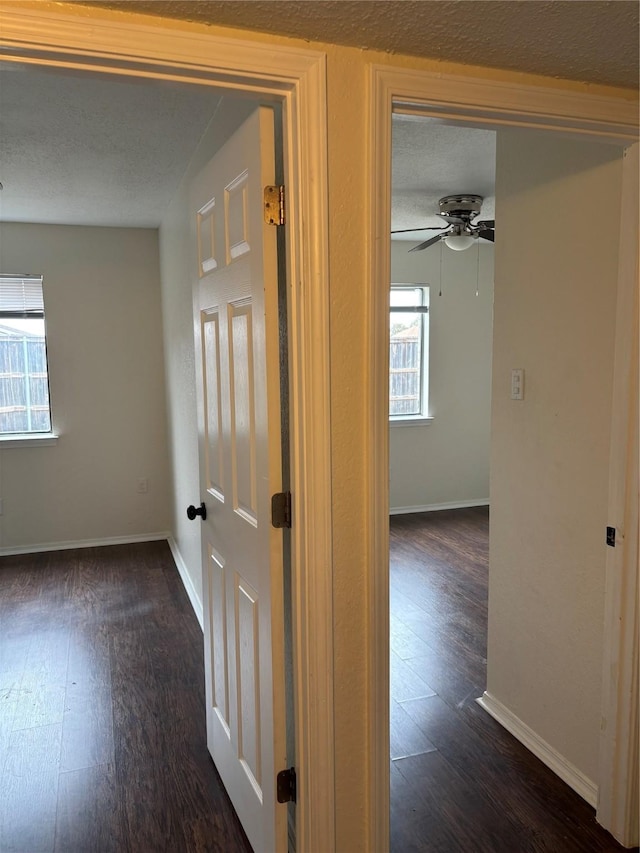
(102, 727)
(459, 781)
(102, 730)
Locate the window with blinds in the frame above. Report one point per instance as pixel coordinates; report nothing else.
(24, 377)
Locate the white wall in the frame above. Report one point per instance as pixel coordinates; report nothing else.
(178, 270)
(104, 343)
(447, 461)
(555, 298)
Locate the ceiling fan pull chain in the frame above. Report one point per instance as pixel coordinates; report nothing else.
(440, 294)
(478, 270)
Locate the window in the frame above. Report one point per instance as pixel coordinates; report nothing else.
(24, 380)
(409, 352)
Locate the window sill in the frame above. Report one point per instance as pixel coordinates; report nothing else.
(410, 421)
(37, 439)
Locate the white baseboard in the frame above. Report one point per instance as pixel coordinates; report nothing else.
(190, 589)
(570, 774)
(83, 543)
(404, 510)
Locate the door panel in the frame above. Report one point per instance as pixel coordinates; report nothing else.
(217, 638)
(236, 210)
(236, 328)
(213, 404)
(243, 432)
(206, 236)
(248, 679)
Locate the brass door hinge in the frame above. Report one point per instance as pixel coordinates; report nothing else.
(274, 205)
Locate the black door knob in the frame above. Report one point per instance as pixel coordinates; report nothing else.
(193, 511)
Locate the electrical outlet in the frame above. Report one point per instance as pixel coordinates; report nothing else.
(143, 486)
(517, 384)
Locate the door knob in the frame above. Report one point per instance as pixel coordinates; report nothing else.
(193, 511)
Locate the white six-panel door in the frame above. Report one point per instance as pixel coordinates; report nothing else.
(237, 364)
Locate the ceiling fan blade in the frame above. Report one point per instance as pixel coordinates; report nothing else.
(427, 243)
(429, 228)
(487, 234)
(485, 223)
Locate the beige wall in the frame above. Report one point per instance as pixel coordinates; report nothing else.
(106, 371)
(555, 302)
(447, 461)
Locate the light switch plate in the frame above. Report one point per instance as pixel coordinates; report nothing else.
(517, 384)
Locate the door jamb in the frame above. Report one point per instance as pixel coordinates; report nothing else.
(134, 46)
(485, 103)
(618, 806)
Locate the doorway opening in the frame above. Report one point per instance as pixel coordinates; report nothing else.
(297, 82)
(556, 179)
(439, 455)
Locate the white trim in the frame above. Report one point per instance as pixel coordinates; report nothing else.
(563, 768)
(37, 439)
(310, 443)
(378, 255)
(477, 102)
(67, 545)
(410, 421)
(495, 102)
(618, 807)
(185, 576)
(406, 510)
(128, 44)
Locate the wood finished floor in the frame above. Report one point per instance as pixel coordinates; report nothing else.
(102, 730)
(102, 726)
(459, 781)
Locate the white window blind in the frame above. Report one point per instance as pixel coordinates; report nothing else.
(24, 375)
(21, 296)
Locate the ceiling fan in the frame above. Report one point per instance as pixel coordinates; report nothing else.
(458, 211)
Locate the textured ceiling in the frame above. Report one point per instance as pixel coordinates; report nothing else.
(432, 159)
(80, 149)
(594, 41)
(86, 150)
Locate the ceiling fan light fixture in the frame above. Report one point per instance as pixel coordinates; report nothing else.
(459, 242)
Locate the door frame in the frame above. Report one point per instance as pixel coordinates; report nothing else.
(618, 800)
(131, 45)
(491, 104)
